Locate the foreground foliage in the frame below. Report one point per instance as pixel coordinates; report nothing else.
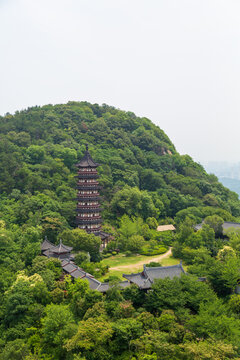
(44, 316)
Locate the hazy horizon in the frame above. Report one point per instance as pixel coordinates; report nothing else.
(175, 62)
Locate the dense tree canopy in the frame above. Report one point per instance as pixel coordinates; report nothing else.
(45, 316)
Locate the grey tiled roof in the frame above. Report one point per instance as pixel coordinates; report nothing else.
(63, 253)
(50, 250)
(69, 267)
(61, 249)
(47, 253)
(78, 273)
(93, 283)
(103, 287)
(64, 262)
(46, 245)
(139, 279)
(145, 279)
(163, 271)
(226, 225)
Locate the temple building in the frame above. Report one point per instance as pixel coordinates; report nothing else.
(146, 278)
(60, 251)
(88, 207)
(63, 253)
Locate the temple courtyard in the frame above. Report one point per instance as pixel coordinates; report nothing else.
(121, 264)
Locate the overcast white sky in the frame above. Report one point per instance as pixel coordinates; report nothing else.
(174, 61)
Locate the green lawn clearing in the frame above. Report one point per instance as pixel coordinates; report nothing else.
(122, 264)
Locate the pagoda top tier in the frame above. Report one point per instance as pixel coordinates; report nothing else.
(87, 160)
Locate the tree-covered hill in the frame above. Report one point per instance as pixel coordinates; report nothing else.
(142, 173)
(44, 315)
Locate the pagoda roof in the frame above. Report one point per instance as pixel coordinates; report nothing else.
(61, 249)
(46, 245)
(87, 160)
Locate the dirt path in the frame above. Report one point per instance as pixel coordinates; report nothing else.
(136, 266)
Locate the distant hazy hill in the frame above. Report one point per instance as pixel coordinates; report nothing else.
(223, 169)
(232, 184)
(228, 173)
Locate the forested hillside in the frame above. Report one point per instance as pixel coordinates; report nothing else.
(142, 174)
(44, 316)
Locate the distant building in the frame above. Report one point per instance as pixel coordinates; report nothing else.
(145, 279)
(226, 225)
(63, 253)
(169, 227)
(88, 207)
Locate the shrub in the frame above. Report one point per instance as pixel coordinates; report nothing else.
(114, 253)
(135, 243)
(128, 253)
(82, 257)
(106, 255)
(153, 264)
(157, 250)
(112, 278)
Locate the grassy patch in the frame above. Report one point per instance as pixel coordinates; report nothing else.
(131, 263)
(169, 261)
(121, 259)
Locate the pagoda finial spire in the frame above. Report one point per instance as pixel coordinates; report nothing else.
(86, 147)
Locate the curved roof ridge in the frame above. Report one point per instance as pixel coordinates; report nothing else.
(61, 248)
(46, 244)
(87, 160)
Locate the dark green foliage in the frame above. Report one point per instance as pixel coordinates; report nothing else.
(39, 147)
(145, 183)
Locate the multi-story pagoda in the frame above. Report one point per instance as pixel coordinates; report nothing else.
(88, 197)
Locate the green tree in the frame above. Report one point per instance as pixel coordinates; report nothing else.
(82, 241)
(215, 222)
(57, 326)
(92, 334)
